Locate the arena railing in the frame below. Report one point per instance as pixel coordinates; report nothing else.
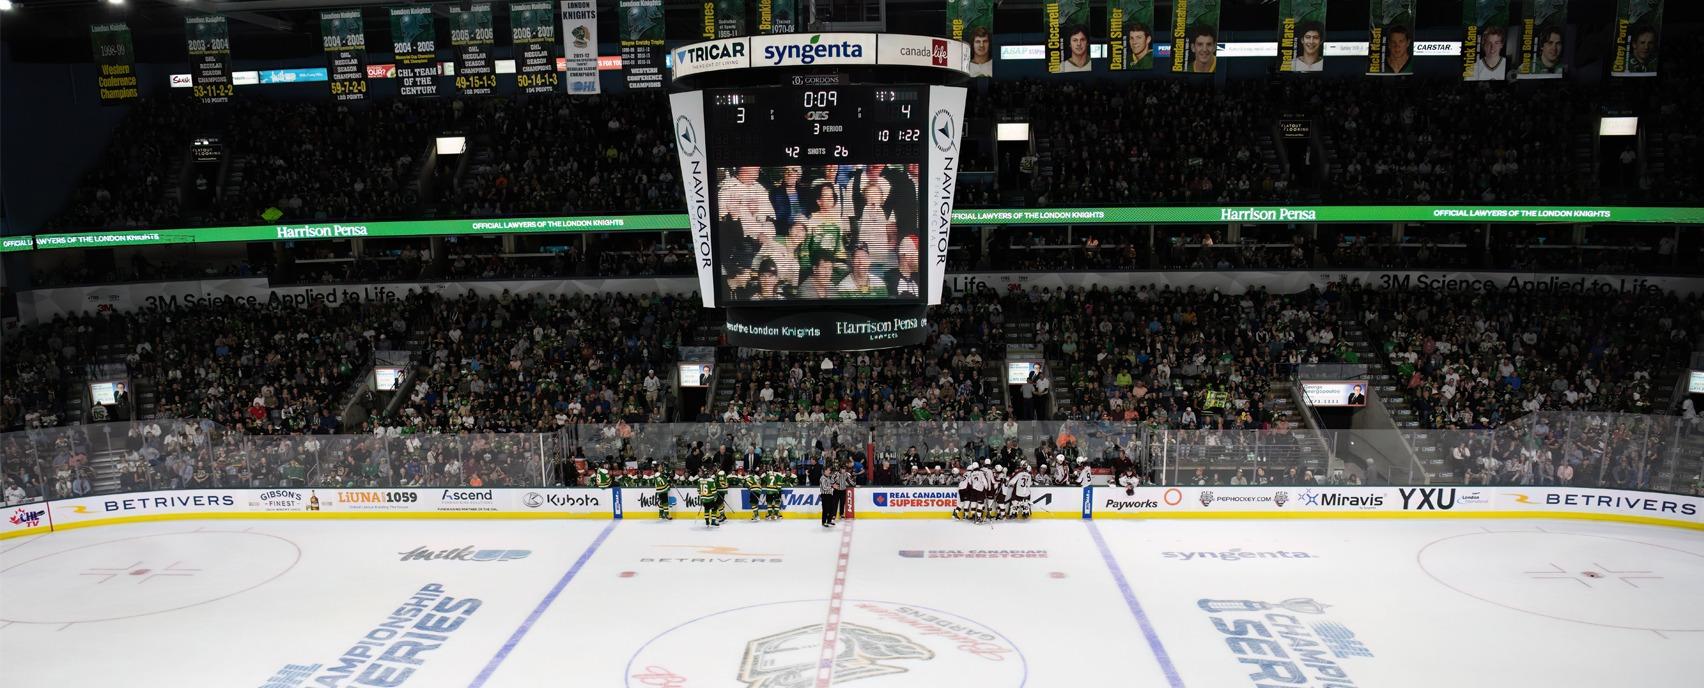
(1627, 451)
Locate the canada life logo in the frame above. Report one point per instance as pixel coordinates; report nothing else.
(938, 53)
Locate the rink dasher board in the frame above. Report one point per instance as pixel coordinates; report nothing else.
(1261, 502)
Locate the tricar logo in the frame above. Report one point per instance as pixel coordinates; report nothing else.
(938, 53)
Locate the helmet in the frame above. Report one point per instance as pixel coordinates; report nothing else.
(974, 466)
(1060, 458)
(1082, 459)
(999, 469)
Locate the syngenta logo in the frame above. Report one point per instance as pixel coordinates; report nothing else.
(1236, 553)
(812, 51)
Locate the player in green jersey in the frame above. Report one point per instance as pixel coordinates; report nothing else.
(601, 479)
(708, 484)
(662, 483)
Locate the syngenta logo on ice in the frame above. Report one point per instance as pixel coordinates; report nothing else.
(811, 51)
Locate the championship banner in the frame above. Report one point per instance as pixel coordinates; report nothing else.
(1638, 36)
(472, 35)
(1130, 29)
(777, 16)
(210, 58)
(1390, 50)
(343, 36)
(642, 42)
(1543, 39)
(414, 40)
(115, 59)
(1301, 35)
(533, 28)
(1067, 36)
(972, 21)
(1195, 36)
(724, 19)
(1485, 45)
(580, 45)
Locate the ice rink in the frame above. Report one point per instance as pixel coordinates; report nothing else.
(870, 603)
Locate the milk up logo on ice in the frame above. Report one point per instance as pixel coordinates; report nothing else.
(1288, 643)
(779, 645)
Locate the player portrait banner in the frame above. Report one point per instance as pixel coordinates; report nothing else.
(642, 42)
(1301, 35)
(1544, 37)
(414, 39)
(1390, 45)
(532, 26)
(777, 16)
(1638, 34)
(343, 36)
(210, 58)
(472, 34)
(1485, 40)
(972, 21)
(724, 19)
(1067, 36)
(1195, 36)
(115, 60)
(580, 45)
(1130, 29)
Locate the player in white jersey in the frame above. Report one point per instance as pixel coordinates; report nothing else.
(1003, 492)
(1085, 477)
(990, 496)
(979, 492)
(1020, 487)
(962, 511)
(1061, 472)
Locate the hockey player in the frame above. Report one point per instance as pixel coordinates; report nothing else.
(1061, 472)
(661, 483)
(723, 481)
(978, 487)
(1021, 481)
(965, 496)
(991, 495)
(1085, 477)
(601, 479)
(775, 484)
(707, 485)
(1003, 484)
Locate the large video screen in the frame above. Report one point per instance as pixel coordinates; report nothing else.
(819, 232)
(1350, 393)
(816, 194)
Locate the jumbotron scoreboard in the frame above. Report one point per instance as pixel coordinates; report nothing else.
(821, 192)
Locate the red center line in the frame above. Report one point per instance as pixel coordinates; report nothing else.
(831, 626)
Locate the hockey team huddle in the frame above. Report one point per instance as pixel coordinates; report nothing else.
(988, 494)
(765, 486)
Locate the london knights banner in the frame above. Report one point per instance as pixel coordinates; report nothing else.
(724, 19)
(209, 40)
(1195, 36)
(1485, 40)
(1130, 33)
(472, 34)
(343, 36)
(1301, 35)
(532, 27)
(115, 57)
(580, 46)
(777, 16)
(414, 40)
(972, 21)
(1544, 39)
(642, 42)
(1390, 45)
(1068, 38)
(1638, 37)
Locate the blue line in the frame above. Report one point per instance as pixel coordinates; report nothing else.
(1136, 608)
(503, 652)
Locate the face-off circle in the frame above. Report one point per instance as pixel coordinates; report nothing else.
(143, 575)
(778, 644)
(1588, 579)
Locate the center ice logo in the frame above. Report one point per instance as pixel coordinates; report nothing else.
(921, 646)
(1295, 622)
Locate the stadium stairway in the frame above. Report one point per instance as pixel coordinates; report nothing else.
(1432, 452)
